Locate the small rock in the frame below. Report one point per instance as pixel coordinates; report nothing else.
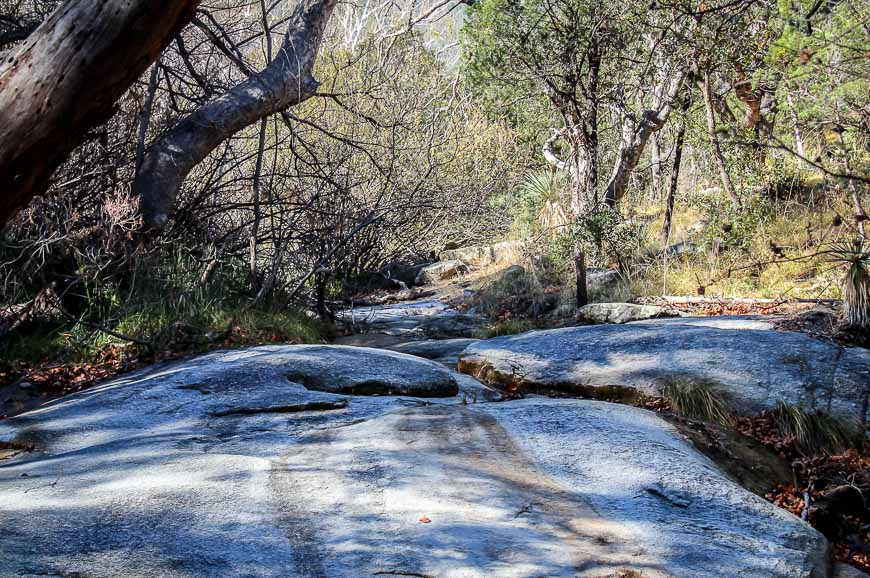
(440, 271)
(622, 312)
(513, 273)
(697, 227)
(503, 253)
(679, 249)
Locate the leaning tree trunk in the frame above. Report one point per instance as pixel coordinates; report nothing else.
(712, 134)
(64, 81)
(674, 182)
(634, 140)
(285, 82)
(655, 167)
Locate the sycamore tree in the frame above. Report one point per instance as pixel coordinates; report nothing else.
(604, 76)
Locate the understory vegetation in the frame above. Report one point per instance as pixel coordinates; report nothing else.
(697, 153)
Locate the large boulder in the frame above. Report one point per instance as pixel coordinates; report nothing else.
(622, 312)
(683, 517)
(440, 271)
(220, 466)
(407, 274)
(362, 371)
(756, 365)
(504, 253)
(606, 284)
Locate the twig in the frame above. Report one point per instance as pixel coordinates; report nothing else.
(146, 344)
(806, 511)
(362, 225)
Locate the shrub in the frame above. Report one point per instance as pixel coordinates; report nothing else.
(730, 227)
(606, 236)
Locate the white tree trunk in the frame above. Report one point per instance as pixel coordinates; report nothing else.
(635, 135)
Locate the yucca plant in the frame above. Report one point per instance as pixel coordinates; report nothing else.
(547, 188)
(856, 284)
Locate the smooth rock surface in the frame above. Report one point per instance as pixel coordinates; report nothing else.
(395, 319)
(441, 271)
(756, 365)
(363, 371)
(677, 510)
(444, 351)
(622, 312)
(416, 320)
(141, 477)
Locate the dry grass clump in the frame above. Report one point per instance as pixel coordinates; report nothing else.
(815, 431)
(698, 399)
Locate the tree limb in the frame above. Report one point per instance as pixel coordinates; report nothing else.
(285, 82)
(65, 79)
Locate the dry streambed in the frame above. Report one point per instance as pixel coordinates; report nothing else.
(340, 461)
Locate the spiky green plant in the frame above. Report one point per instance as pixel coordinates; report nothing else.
(547, 188)
(856, 284)
(699, 399)
(815, 431)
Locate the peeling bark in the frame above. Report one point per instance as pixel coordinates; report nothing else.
(285, 82)
(550, 154)
(760, 104)
(580, 165)
(635, 136)
(65, 79)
